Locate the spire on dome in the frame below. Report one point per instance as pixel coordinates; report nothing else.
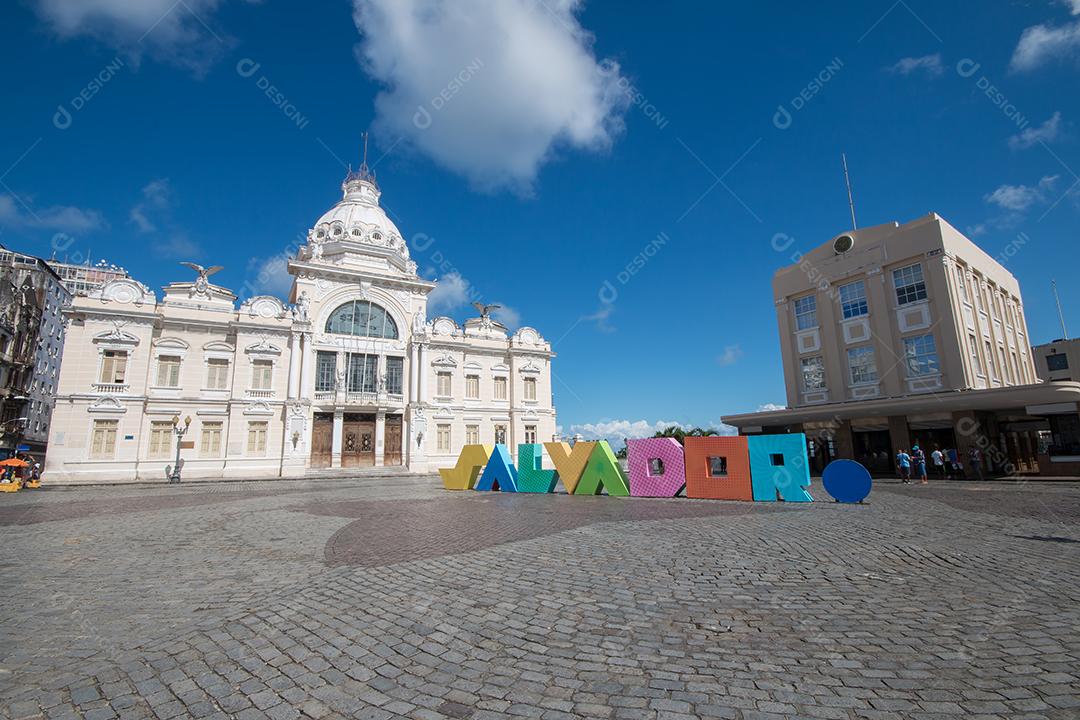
(365, 172)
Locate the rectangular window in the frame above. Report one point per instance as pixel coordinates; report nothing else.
(530, 388)
(500, 388)
(1057, 363)
(990, 360)
(973, 349)
(813, 373)
(217, 374)
(909, 284)
(262, 372)
(395, 372)
(717, 466)
(920, 354)
(113, 366)
(210, 441)
(1003, 363)
(853, 299)
(500, 434)
(806, 313)
(363, 375)
(862, 365)
(472, 387)
(443, 384)
(961, 285)
(1065, 434)
(530, 434)
(160, 439)
(103, 439)
(168, 371)
(325, 371)
(256, 442)
(443, 438)
(472, 434)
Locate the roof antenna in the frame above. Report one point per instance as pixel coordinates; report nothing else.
(850, 198)
(1061, 315)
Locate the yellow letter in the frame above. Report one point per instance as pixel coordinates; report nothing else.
(570, 463)
(470, 462)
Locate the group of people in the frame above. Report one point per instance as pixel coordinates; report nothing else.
(946, 464)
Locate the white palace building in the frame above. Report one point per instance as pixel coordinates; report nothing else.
(352, 374)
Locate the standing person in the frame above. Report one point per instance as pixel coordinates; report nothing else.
(903, 464)
(954, 464)
(938, 459)
(919, 461)
(975, 456)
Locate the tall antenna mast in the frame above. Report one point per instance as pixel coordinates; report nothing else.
(363, 163)
(850, 198)
(1061, 314)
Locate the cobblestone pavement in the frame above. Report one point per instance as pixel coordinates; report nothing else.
(380, 598)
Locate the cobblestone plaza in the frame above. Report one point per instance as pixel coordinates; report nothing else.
(388, 597)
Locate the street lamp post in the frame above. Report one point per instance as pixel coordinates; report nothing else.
(174, 476)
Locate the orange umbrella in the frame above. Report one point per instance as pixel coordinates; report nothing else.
(14, 462)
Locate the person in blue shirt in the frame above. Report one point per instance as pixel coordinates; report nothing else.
(903, 463)
(918, 458)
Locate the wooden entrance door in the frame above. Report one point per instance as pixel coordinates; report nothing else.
(358, 441)
(392, 441)
(322, 440)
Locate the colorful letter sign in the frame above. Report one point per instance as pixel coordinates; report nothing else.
(778, 464)
(603, 471)
(718, 468)
(656, 467)
(500, 473)
(472, 460)
(764, 468)
(570, 463)
(532, 478)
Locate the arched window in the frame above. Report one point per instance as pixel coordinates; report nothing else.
(363, 318)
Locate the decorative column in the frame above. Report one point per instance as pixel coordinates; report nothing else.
(380, 436)
(414, 366)
(307, 369)
(296, 359)
(423, 370)
(339, 426)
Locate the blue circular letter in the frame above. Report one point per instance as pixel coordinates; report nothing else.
(847, 481)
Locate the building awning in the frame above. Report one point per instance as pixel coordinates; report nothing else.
(1041, 399)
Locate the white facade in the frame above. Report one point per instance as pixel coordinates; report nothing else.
(351, 375)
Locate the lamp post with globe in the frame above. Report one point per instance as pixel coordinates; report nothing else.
(174, 473)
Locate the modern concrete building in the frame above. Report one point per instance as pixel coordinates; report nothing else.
(897, 334)
(1058, 360)
(350, 374)
(82, 279)
(32, 299)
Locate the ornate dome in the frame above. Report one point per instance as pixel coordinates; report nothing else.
(358, 219)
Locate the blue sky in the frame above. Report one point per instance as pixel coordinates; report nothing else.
(613, 173)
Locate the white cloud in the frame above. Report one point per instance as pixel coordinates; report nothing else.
(62, 218)
(730, 356)
(157, 199)
(1021, 197)
(930, 64)
(1048, 132)
(977, 230)
(1040, 44)
(488, 89)
(152, 217)
(176, 32)
(271, 276)
(616, 431)
(1073, 5)
(451, 292)
(507, 315)
(771, 407)
(600, 317)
